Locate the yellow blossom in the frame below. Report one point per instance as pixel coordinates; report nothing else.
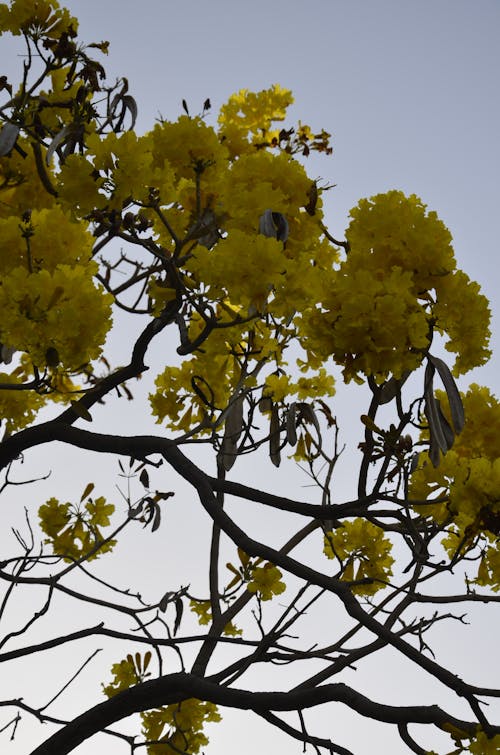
(39, 17)
(364, 551)
(266, 581)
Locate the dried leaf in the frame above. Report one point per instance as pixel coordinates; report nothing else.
(159, 496)
(244, 557)
(144, 478)
(179, 608)
(81, 410)
(370, 424)
(162, 605)
(131, 105)
(153, 514)
(88, 490)
(156, 518)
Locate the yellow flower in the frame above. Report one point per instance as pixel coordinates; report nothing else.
(73, 531)
(372, 323)
(47, 239)
(266, 581)
(242, 267)
(184, 721)
(247, 117)
(189, 146)
(482, 745)
(393, 230)
(20, 187)
(365, 553)
(17, 408)
(60, 313)
(38, 17)
(127, 673)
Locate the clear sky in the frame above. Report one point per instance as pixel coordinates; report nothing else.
(409, 90)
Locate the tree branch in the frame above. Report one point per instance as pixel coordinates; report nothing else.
(175, 688)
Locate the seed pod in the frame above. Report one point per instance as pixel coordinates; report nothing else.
(8, 137)
(274, 437)
(454, 400)
(274, 225)
(441, 434)
(232, 432)
(291, 425)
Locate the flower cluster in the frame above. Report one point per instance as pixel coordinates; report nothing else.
(74, 531)
(42, 18)
(184, 722)
(266, 581)
(364, 554)
(203, 611)
(396, 286)
(127, 673)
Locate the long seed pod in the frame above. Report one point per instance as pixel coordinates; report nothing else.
(439, 436)
(454, 400)
(307, 414)
(232, 432)
(274, 437)
(58, 139)
(8, 137)
(391, 388)
(291, 424)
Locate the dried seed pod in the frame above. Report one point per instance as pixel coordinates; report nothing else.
(232, 432)
(8, 137)
(274, 437)
(291, 424)
(274, 225)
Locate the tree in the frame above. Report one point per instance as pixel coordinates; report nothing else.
(213, 237)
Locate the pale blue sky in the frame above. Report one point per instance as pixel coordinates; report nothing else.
(409, 90)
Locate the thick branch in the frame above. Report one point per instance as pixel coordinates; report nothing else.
(175, 688)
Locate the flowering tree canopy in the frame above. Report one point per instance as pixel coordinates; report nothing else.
(210, 232)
